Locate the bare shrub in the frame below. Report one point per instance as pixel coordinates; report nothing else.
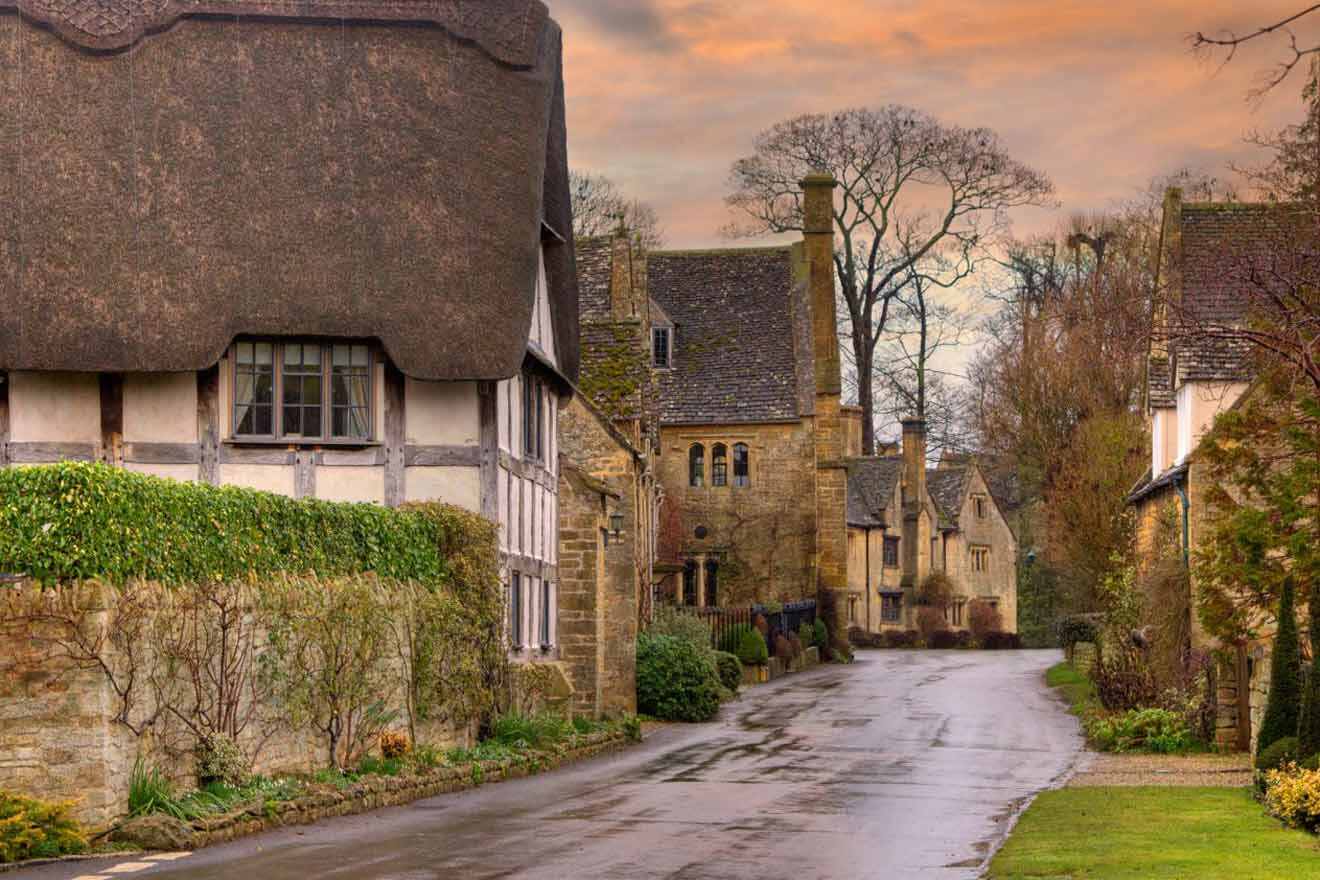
(930, 620)
(983, 619)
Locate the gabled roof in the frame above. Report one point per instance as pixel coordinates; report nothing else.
(738, 349)
(370, 169)
(871, 484)
(948, 488)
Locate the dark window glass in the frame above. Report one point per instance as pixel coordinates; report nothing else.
(719, 465)
(891, 552)
(712, 584)
(660, 346)
(254, 389)
(545, 615)
(890, 608)
(350, 397)
(690, 583)
(300, 377)
(697, 466)
(515, 611)
(742, 466)
(533, 418)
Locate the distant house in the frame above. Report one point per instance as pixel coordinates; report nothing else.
(907, 522)
(723, 365)
(1191, 380)
(318, 249)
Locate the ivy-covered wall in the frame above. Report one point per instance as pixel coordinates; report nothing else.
(152, 615)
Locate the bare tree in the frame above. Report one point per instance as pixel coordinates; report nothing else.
(909, 382)
(908, 186)
(600, 208)
(1229, 42)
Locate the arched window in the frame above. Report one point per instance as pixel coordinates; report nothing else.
(742, 466)
(719, 465)
(697, 466)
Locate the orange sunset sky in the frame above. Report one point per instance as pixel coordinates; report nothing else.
(1102, 96)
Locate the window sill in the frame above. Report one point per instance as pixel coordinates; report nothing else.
(262, 443)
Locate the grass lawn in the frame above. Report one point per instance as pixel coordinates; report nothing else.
(1075, 686)
(1108, 833)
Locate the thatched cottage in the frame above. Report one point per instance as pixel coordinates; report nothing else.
(321, 249)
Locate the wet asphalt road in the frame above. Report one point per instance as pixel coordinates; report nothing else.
(903, 765)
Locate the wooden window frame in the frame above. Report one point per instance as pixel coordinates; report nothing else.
(893, 602)
(516, 611)
(327, 406)
(533, 407)
(546, 633)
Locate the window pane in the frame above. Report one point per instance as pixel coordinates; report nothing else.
(719, 466)
(265, 423)
(697, 466)
(254, 384)
(264, 353)
(741, 466)
(361, 356)
(245, 353)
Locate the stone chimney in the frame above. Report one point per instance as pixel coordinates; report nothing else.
(627, 278)
(916, 526)
(830, 440)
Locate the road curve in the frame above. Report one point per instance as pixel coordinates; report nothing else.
(905, 764)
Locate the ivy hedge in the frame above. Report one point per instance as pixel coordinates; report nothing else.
(79, 521)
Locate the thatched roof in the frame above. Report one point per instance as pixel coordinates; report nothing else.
(173, 178)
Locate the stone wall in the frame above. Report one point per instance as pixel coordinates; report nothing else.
(68, 732)
(601, 573)
(763, 534)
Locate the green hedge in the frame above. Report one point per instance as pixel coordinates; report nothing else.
(676, 681)
(77, 521)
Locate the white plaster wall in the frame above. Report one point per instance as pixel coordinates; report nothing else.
(266, 477)
(160, 408)
(180, 472)
(1163, 440)
(460, 486)
(442, 413)
(55, 407)
(1198, 404)
(356, 484)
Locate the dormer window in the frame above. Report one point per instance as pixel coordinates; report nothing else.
(981, 506)
(661, 349)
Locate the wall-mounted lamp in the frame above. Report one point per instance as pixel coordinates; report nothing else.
(616, 524)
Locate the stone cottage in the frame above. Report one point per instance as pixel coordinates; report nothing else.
(1189, 382)
(607, 520)
(319, 249)
(907, 521)
(724, 364)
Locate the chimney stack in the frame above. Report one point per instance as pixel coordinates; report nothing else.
(914, 460)
(828, 429)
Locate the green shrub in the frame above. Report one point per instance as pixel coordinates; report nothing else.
(732, 637)
(820, 636)
(1150, 730)
(680, 624)
(729, 669)
(675, 681)
(33, 829)
(219, 759)
(82, 521)
(807, 634)
(1077, 628)
(752, 649)
(531, 731)
(1276, 754)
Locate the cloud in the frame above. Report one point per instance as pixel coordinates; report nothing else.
(639, 23)
(665, 94)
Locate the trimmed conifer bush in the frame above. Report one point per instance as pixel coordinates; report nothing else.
(729, 668)
(1283, 709)
(752, 649)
